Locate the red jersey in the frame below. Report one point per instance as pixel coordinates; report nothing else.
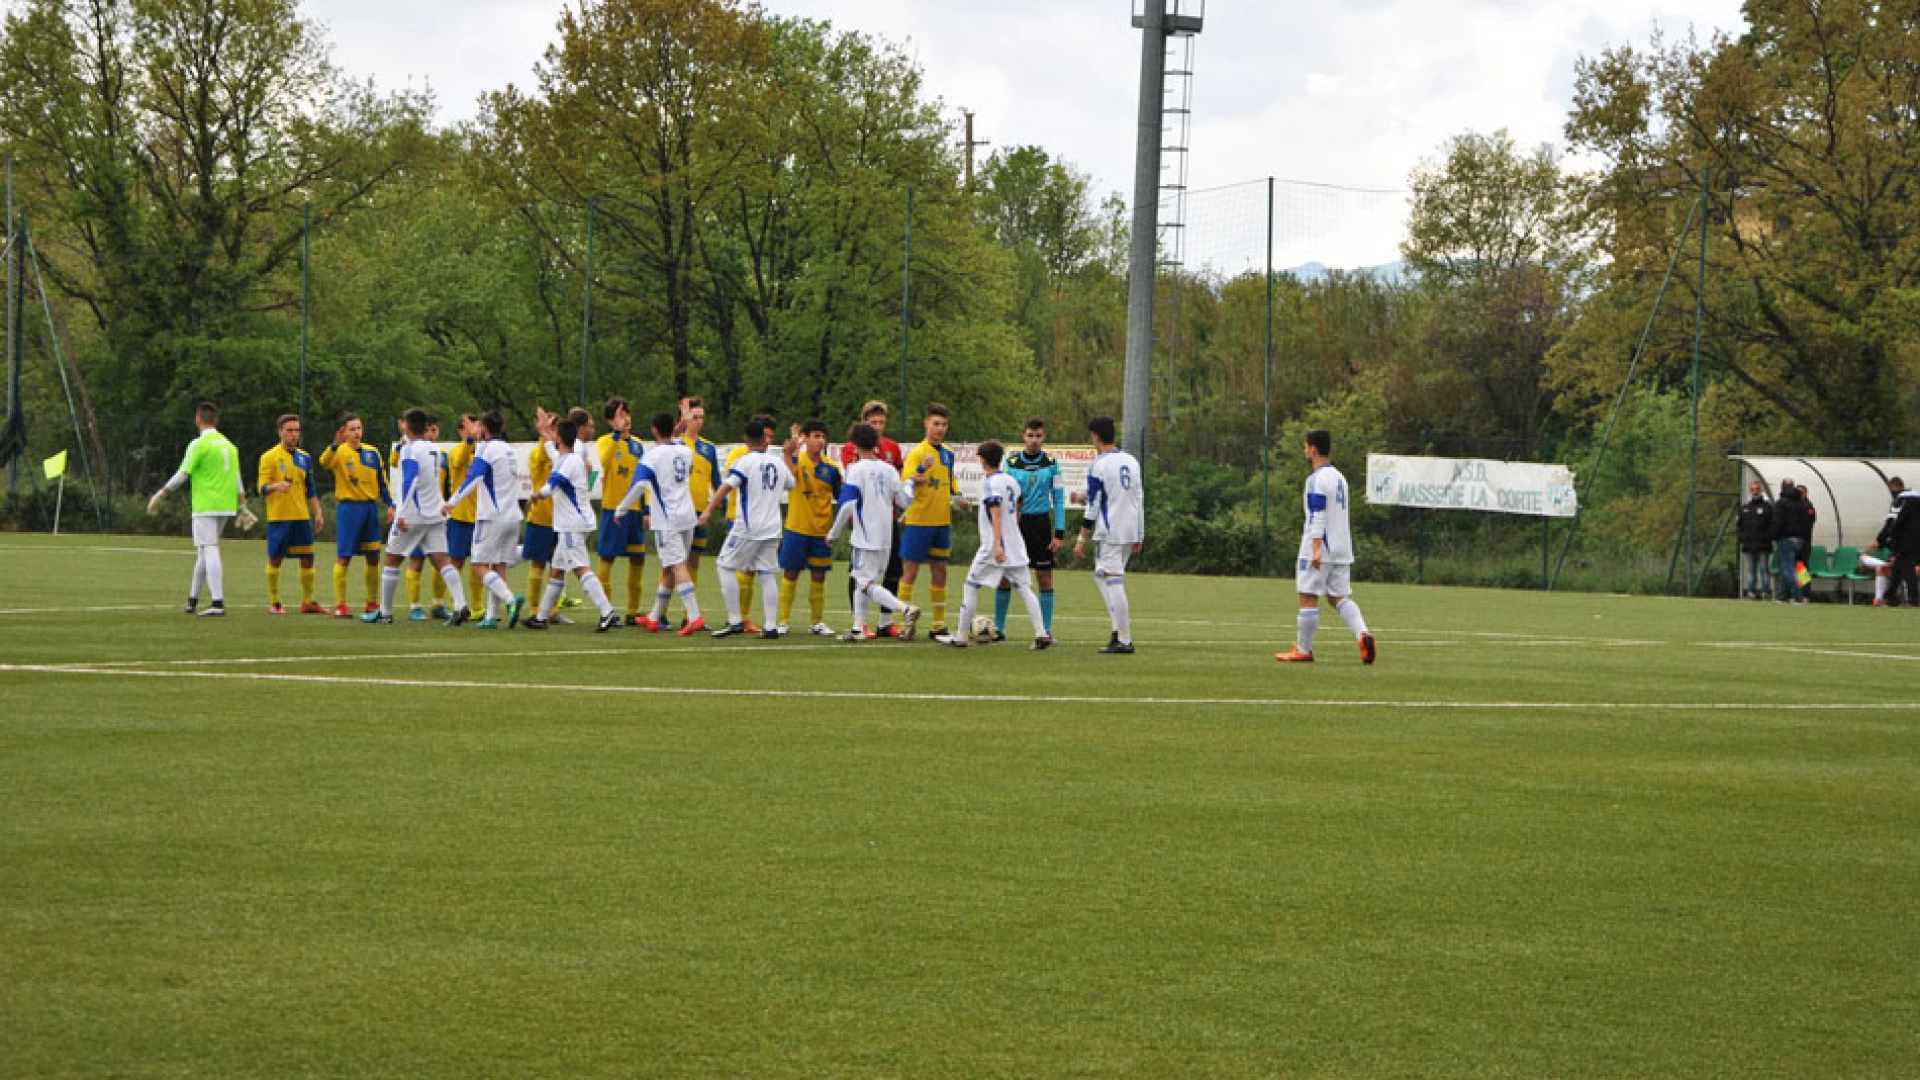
(888, 452)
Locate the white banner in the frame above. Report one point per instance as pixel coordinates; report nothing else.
(1498, 487)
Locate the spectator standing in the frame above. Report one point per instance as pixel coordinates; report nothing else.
(1792, 523)
(1901, 536)
(1755, 532)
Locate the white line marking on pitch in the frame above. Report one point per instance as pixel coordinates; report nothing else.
(84, 610)
(1763, 647)
(1043, 699)
(62, 550)
(325, 658)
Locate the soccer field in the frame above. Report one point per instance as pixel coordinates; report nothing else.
(1566, 836)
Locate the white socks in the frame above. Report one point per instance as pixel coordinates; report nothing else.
(1350, 614)
(859, 607)
(199, 574)
(690, 602)
(1113, 590)
(590, 584)
(1032, 602)
(499, 593)
(215, 572)
(661, 596)
(769, 600)
(456, 588)
(389, 586)
(730, 592)
(555, 587)
(888, 602)
(1307, 625)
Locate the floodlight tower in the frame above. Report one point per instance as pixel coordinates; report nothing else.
(1160, 21)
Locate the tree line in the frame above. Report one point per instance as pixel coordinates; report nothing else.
(737, 185)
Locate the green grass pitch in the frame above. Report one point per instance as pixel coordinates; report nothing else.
(1546, 836)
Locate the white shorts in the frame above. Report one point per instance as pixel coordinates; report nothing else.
(740, 554)
(208, 527)
(987, 574)
(867, 567)
(570, 551)
(496, 543)
(670, 546)
(1110, 560)
(1331, 579)
(418, 540)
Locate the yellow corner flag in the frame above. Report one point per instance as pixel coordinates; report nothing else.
(56, 465)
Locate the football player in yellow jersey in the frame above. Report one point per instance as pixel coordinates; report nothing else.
(810, 508)
(293, 514)
(359, 490)
(460, 516)
(536, 544)
(618, 453)
(926, 535)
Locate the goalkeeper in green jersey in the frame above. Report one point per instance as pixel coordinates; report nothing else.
(212, 466)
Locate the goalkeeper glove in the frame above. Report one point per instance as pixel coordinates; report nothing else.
(245, 519)
(153, 504)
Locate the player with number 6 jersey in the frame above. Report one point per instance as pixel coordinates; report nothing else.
(1116, 520)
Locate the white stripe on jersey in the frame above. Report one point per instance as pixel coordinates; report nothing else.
(1325, 504)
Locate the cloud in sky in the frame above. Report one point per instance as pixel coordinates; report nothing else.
(1353, 93)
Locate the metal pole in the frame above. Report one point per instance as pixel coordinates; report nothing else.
(1266, 405)
(1699, 315)
(12, 343)
(1142, 265)
(1546, 523)
(306, 300)
(906, 301)
(1420, 532)
(586, 327)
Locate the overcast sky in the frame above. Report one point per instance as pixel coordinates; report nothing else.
(1342, 92)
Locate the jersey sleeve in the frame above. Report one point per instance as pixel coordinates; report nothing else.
(1316, 509)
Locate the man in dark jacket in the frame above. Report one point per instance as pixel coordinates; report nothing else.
(1756, 542)
(1901, 536)
(1792, 523)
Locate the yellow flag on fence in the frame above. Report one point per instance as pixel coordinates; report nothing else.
(56, 465)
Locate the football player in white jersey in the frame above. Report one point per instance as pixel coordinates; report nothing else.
(758, 478)
(1116, 518)
(419, 524)
(1326, 556)
(870, 496)
(494, 476)
(568, 487)
(1003, 550)
(666, 474)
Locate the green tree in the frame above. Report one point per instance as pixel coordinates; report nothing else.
(1808, 122)
(168, 147)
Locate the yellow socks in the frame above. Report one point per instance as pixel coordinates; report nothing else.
(413, 586)
(746, 582)
(440, 594)
(787, 586)
(635, 582)
(606, 571)
(273, 585)
(306, 584)
(817, 600)
(536, 581)
(939, 604)
(373, 581)
(339, 585)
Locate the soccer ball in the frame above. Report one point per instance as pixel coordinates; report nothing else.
(981, 632)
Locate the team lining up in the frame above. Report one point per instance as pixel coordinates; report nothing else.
(464, 507)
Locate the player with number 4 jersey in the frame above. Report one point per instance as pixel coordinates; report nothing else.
(1325, 566)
